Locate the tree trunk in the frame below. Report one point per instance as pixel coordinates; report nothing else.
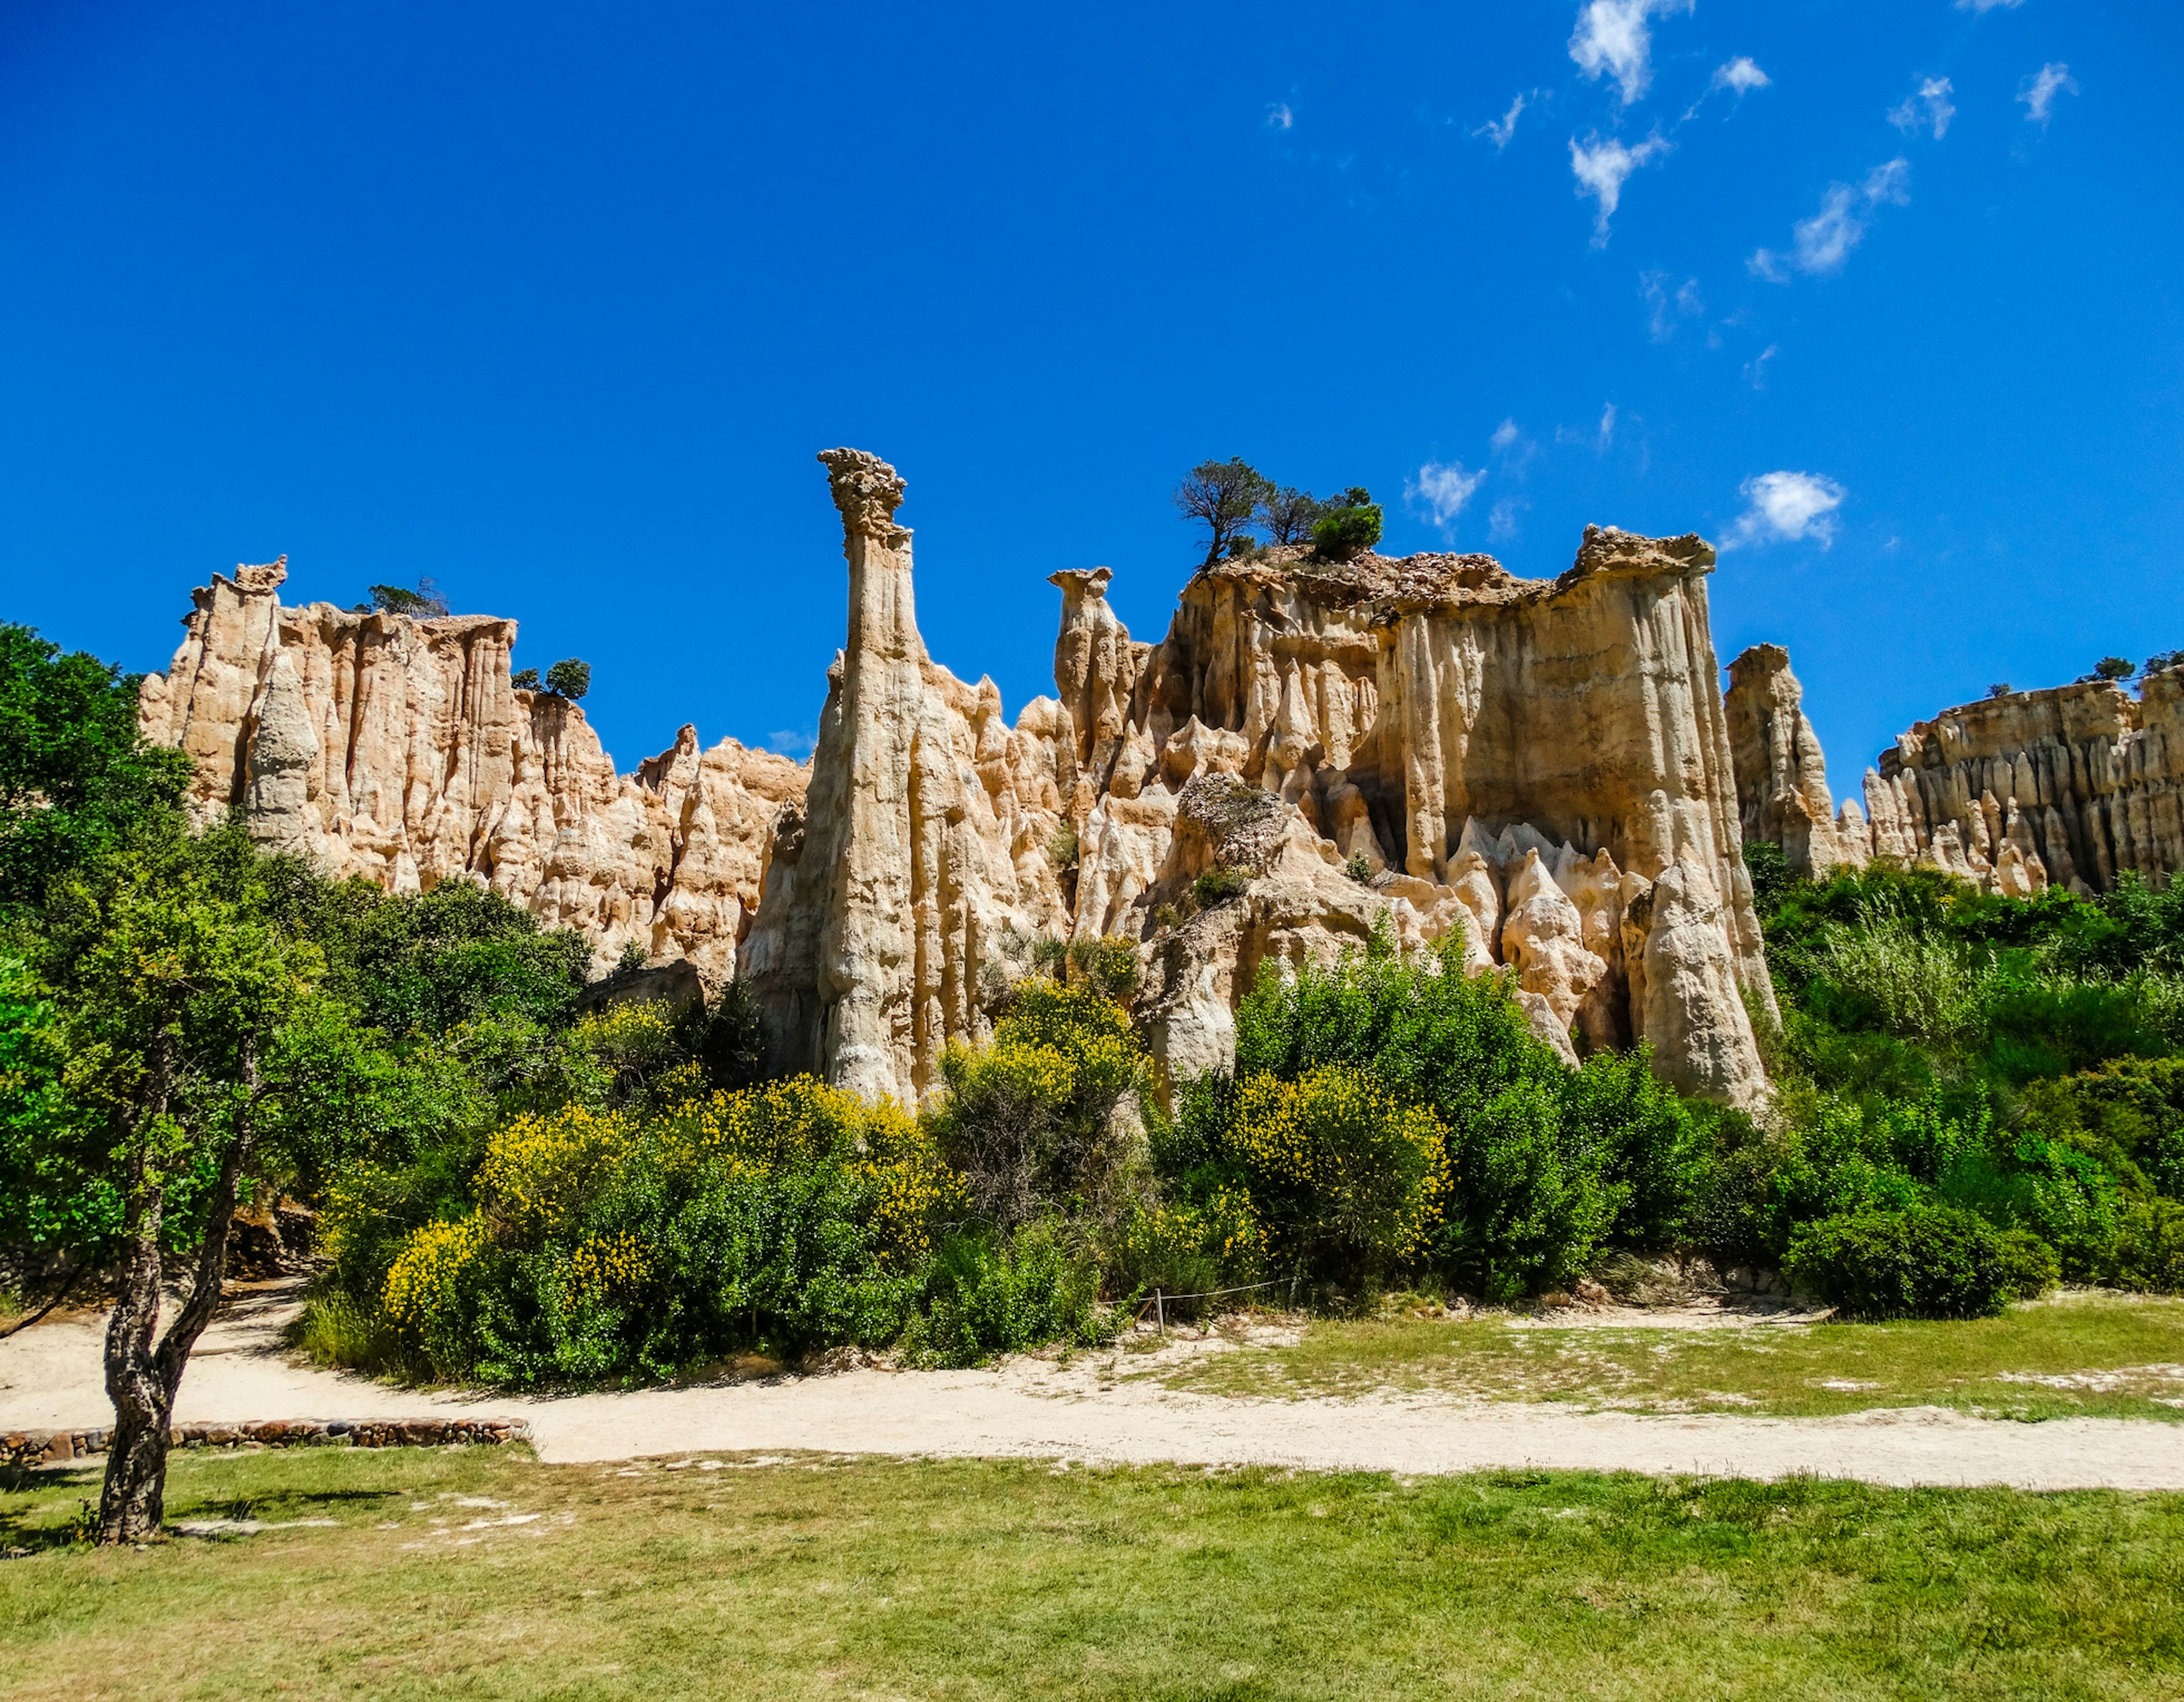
(142, 1381)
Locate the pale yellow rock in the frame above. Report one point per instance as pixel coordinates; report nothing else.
(1781, 773)
(398, 749)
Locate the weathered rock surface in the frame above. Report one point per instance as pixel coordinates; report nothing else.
(2069, 786)
(1782, 792)
(1467, 741)
(398, 749)
(1427, 746)
(910, 887)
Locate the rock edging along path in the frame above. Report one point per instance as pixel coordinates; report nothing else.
(50, 1447)
(50, 1379)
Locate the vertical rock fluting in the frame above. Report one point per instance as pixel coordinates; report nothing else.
(2074, 785)
(1466, 741)
(1781, 774)
(399, 750)
(2069, 786)
(911, 884)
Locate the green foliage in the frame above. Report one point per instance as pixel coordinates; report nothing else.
(1544, 1165)
(986, 1297)
(432, 961)
(1358, 869)
(1347, 527)
(1218, 884)
(1029, 1120)
(725, 1037)
(570, 677)
(524, 679)
(1288, 513)
(76, 779)
(2116, 668)
(1062, 845)
(1930, 1262)
(422, 604)
(1223, 497)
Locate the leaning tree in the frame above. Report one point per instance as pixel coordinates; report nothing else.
(1224, 497)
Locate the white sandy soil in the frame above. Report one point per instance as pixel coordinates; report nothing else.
(50, 1377)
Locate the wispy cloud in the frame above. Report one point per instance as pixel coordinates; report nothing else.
(1823, 242)
(1499, 131)
(1601, 165)
(2038, 91)
(1785, 507)
(1506, 436)
(1612, 40)
(1279, 115)
(791, 744)
(1740, 75)
(1664, 307)
(1502, 518)
(1606, 429)
(1929, 109)
(1755, 370)
(1443, 490)
(1987, 5)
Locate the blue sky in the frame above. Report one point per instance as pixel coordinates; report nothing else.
(554, 304)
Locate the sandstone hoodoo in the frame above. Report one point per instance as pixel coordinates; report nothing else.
(2072, 786)
(1544, 766)
(1315, 751)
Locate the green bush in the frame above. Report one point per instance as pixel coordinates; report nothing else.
(1219, 884)
(1349, 528)
(1928, 1262)
(986, 1297)
(1029, 1120)
(570, 677)
(2149, 1250)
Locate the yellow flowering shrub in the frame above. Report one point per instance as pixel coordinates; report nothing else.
(1337, 1161)
(607, 1265)
(538, 1169)
(424, 1284)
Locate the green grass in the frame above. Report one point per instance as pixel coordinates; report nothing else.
(2113, 1356)
(822, 1577)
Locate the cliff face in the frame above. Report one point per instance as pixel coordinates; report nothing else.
(398, 749)
(1543, 766)
(2071, 786)
(1428, 745)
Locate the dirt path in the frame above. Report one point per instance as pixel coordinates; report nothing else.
(49, 1377)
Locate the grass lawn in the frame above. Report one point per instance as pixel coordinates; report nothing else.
(2075, 1356)
(481, 1573)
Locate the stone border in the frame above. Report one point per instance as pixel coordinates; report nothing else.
(52, 1446)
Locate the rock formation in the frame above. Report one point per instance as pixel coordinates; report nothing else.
(1426, 746)
(910, 885)
(398, 749)
(1782, 794)
(2069, 786)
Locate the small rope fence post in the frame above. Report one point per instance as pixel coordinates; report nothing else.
(1160, 1312)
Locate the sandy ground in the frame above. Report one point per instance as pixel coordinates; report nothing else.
(49, 1376)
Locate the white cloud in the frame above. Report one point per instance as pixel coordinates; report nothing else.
(1785, 507)
(1606, 427)
(1663, 310)
(1823, 242)
(1928, 108)
(790, 744)
(1279, 115)
(1444, 489)
(1740, 75)
(1502, 518)
(1601, 167)
(1612, 40)
(2038, 91)
(1755, 371)
(1505, 434)
(1499, 131)
(1986, 5)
